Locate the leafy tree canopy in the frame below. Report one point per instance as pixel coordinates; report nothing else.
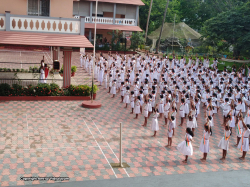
(232, 26)
(193, 12)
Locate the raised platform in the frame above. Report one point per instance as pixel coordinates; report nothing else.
(90, 104)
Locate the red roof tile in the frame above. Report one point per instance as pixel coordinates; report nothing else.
(130, 2)
(44, 39)
(112, 27)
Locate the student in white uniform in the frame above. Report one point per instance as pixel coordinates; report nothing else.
(105, 78)
(161, 106)
(81, 60)
(204, 145)
(170, 130)
(137, 106)
(244, 142)
(123, 90)
(182, 111)
(150, 109)
(100, 75)
(145, 111)
(154, 124)
(166, 110)
(239, 127)
(42, 75)
(132, 101)
(113, 89)
(186, 147)
(224, 142)
(126, 97)
(110, 82)
(247, 117)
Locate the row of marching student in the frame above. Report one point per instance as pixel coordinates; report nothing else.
(177, 89)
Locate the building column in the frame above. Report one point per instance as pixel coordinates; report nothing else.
(90, 35)
(67, 67)
(137, 16)
(56, 51)
(91, 11)
(114, 13)
(82, 26)
(7, 21)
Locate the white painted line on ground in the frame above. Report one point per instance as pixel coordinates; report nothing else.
(100, 148)
(109, 146)
(28, 131)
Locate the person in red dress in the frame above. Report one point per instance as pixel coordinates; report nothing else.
(46, 71)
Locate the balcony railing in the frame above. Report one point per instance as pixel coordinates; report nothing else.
(41, 24)
(11, 22)
(44, 25)
(118, 21)
(2, 22)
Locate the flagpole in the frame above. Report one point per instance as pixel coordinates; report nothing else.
(94, 52)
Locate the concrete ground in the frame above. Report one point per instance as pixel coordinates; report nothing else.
(222, 179)
(62, 139)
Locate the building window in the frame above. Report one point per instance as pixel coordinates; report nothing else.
(38, 7)
(98, 15)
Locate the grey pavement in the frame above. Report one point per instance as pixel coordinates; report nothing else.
(232, 178)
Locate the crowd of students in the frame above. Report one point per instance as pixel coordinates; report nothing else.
(165, 87)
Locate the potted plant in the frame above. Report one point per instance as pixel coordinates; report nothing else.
(73, 71)
(13, 70)
(61, 71)
(95, 89)
(17, 70)
(35, 69)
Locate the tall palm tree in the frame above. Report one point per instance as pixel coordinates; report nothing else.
(163, 21)
(149, 12)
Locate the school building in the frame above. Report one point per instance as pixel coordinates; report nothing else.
(65, 23)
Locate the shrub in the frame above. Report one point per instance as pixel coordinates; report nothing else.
(55, 90)
(18, 70)
(29, 90)
(95, 88)
(73, 69)
(45, 90)
(5, 89)
(80, 90)
(61, 70)
(17, 90)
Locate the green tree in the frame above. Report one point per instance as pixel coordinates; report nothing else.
(163, 21)
(156, 15)
(149, 12)
(233, 26)
(115, 41)
(136, 40)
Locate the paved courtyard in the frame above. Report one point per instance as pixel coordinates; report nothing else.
(62, 139)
